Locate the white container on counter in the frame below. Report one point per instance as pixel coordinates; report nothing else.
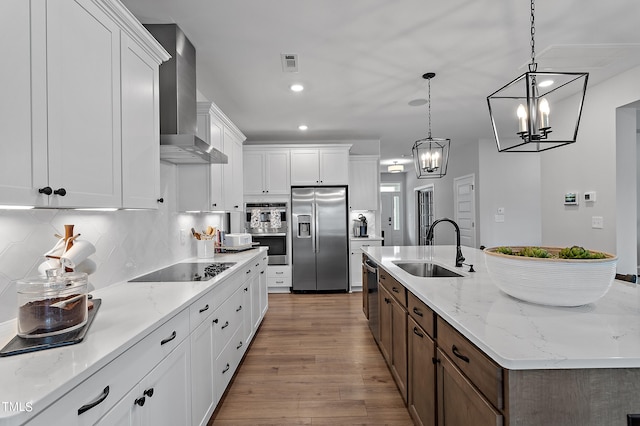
(236, 240)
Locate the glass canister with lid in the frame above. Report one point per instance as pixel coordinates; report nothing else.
(52, 304)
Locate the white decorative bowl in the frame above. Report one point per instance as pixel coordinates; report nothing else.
(549, 281)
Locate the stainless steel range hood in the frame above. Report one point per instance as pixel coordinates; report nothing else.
(179, 142)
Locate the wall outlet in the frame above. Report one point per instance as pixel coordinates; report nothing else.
(597, 222)
(183, 236)
(499, 218)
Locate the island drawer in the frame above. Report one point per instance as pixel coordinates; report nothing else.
(483, 372)
(421, 313)
(392, 285)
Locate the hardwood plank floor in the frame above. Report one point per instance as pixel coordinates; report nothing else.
(313, 362)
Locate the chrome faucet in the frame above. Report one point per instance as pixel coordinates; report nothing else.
(459, 256)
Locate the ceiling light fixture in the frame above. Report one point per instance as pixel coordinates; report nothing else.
(296, 87)
(395, 168)
(520, 110)
(303, 127)
(431, 155)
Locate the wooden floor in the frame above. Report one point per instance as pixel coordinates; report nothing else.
(313, 362)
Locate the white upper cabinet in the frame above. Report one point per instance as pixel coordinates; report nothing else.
(320, 166)
(266, 171)
(364, 182)
(213, 187)
(233, 174)
(140, 127)
(67, 113)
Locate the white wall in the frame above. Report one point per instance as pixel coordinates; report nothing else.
(128, 243)
(511, 181)
(591, 165)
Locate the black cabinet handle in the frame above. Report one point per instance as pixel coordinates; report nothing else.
(435, 360)
(60, 191)
(235, 207)
(226, 369)
(383, 277)
(168, 339)
(148, 392)
(160, 200)
(457, 353)
(140, 401)
(417, 312)
(214, 204)
(395, 289)
(226, 324)
(46, 190)
(215, 321)
(262, 272)
(248, 272)
(206, 308)
(387, 300)
(239, 308)
(246, 289)
(417, 333)
(90, 405)
(239, 345)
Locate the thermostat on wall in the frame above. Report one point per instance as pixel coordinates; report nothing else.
(571, 199)
(590, 196)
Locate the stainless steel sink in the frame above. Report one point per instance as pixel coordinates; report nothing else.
(427, 269)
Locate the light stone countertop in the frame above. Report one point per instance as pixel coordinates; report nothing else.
(520, 335)
(128, 313)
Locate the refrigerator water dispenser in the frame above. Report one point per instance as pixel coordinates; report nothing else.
(304, 226)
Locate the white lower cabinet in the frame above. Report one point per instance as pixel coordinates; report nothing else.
(355, 260)
(279, 278)
(177, 374)
(167, 385)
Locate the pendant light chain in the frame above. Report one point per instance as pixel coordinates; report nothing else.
(429, 81)
(533, 66)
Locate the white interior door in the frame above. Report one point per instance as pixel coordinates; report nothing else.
(465, 209)
(392, 218)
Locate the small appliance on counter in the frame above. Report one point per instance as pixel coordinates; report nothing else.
(360, 227)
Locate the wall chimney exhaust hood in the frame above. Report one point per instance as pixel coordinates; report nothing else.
(179, 142)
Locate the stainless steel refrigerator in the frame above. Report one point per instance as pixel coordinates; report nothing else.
(320, 241)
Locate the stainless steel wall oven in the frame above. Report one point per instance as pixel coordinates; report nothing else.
(268, 225)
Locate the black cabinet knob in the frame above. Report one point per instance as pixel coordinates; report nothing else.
(46, 190)
(148, 392)
(140, 401)
(60, 191)
(160, 200)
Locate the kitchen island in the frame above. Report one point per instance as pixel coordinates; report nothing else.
(145, 334)
(557, 365)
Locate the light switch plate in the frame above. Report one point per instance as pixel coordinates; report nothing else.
(597, 222)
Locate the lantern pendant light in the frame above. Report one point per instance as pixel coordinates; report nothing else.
(521, 111)
(431, 155)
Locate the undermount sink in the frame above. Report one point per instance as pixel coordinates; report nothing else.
(427, 269)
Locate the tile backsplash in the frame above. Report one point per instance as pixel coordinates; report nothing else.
(128, 242)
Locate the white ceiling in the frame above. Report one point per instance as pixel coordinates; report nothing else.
(361, 61)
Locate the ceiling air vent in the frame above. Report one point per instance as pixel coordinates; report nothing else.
(289, 62)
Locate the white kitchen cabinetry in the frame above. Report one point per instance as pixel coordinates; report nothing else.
(92, 399)
(233, 175)
(140, 127)
(213, 187)
(279, 278)
(364, 182)
(266, 171)
(355, 260)
(320, 166)
(70, 149)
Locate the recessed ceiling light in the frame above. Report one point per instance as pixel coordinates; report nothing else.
(297, 87)
(303, 127)
(545, 83)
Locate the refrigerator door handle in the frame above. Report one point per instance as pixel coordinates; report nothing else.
(314, 231)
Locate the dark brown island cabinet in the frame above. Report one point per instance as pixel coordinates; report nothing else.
(446, 380)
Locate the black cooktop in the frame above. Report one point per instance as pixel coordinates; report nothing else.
(181, 272)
